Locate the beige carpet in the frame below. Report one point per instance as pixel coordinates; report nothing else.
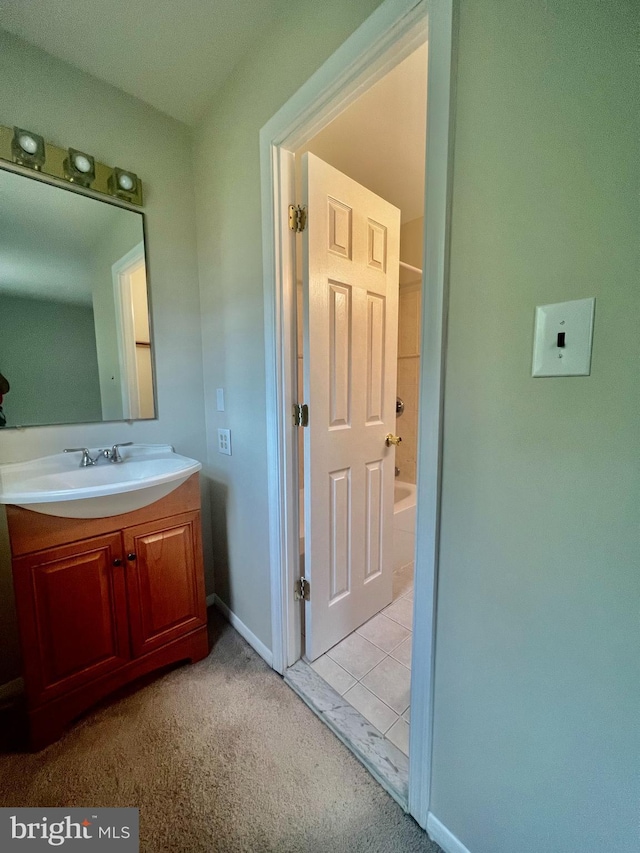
(220, 756)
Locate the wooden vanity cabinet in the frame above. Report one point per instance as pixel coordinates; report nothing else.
(103, 601)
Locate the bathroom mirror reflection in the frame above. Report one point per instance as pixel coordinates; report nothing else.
(75, 343)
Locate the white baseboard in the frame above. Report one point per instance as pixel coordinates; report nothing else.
(242, 629)
(439, 833)
(211, 599)
(11, 690)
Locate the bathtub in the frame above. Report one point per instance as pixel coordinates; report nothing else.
(404, 523)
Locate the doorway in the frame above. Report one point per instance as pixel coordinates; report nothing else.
(392, 33)
(366, 169)
(129, 276)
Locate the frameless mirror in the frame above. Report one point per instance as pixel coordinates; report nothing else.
(75, 344)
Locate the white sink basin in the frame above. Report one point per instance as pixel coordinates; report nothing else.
(57, 485)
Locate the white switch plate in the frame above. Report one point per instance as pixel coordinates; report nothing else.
(220, 399)
(575, 320)
(224, 441)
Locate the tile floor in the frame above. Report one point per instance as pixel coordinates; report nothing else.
(371, 668)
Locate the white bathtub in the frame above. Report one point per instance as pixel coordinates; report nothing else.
(404, 523)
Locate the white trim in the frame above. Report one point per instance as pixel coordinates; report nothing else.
(439, 833)
(211, 599)
(242, 629)
(394, 30)
(11, 690)
(281, 388)
(125, 329)
(438, 185)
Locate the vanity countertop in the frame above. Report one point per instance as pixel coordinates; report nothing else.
(57, 485)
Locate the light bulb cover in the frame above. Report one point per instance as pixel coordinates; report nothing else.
(27, 148)
(27, 143)
(79, 168)
(82, 163)
(124, 184)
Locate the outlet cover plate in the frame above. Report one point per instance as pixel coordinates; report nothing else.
(575, 320)
(224, 441)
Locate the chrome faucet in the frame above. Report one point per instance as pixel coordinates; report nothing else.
(111, 454)
(86, 460)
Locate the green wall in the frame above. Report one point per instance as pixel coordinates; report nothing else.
(538, 645)
(48, 354)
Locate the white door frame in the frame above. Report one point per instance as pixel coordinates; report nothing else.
(125, 329)
(390, 34)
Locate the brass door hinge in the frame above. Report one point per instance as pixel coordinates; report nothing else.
(297, 217)
(300, 415)
(302, 590)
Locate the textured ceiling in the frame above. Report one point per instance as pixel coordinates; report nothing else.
(173, 54)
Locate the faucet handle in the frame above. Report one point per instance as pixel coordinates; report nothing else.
(115, 453)
(86, 456)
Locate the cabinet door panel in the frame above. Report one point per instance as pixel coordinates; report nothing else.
(73, 614)
(164, 580)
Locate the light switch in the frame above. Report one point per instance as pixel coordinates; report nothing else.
(224, 441)
(562, 338)
(220, 399)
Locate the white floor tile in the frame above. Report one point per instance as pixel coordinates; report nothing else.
(401, 611)
(383, 632)
(390, 681)
(378, 714)
(398, 734)
(407, 715)
(356, 655)
(402, 653)
(333, 674)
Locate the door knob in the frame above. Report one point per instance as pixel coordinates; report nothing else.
(392, 439)
(131, 557)
(117, 561)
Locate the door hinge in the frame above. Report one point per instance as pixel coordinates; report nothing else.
(302, 590)
(297, 217)
(300, 414)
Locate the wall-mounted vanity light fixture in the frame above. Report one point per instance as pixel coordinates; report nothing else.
(25, 148)
(123, 184)
(80, 168)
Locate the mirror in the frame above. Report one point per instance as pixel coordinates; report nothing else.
(75, 344)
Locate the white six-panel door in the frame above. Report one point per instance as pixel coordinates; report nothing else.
(350, 297)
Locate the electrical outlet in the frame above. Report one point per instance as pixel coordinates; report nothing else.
(224, 441)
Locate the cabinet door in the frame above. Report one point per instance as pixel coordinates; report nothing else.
(72, 611)
(165, 580)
